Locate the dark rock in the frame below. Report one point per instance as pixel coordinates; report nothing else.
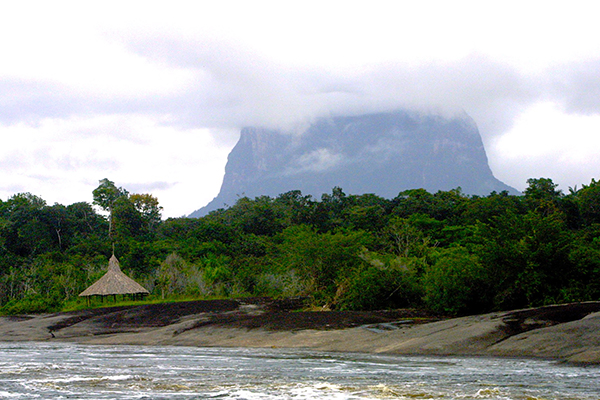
(534, 318)
(383, 154)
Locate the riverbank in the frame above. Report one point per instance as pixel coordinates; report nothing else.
(568, 332)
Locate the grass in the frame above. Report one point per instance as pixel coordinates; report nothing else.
(82, 304)
(78, 303)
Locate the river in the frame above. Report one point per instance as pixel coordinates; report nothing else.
(70, 371)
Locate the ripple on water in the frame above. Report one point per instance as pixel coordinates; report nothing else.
(60, 371)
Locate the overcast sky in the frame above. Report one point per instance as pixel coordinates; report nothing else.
(152, 95)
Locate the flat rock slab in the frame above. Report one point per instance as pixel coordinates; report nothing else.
(569, 332)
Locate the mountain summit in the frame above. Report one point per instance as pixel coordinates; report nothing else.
(384, 153)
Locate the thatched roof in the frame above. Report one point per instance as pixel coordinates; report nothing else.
(114, 282)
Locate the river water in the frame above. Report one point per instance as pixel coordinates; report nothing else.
(70, 371)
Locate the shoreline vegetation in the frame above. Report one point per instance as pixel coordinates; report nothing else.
(447, 252)
(455, 255)
(566, 332)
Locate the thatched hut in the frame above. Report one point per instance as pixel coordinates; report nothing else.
(114, 282)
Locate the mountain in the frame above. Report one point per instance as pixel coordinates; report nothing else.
(383, 153)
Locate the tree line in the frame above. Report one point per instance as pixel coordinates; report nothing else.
(447, 252)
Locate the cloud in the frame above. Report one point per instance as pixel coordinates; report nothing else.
(153, 97)
(28, 101)
(63, 159)
(576, 86)
(235, 88)
(537, 147)
(317, 161)
(148, 187)
(210, 82)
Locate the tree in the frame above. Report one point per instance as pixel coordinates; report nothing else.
(367, 211)
(542, 188)
(526, 258)
(456, 283)
(23, 228)
(406, 239)
(548, 268)
(86, 221)
(296, 208)
(127, 220)
(148, 206)
(413, 201)
(588, 199)
(105, 196)
(57, 218)
(259, 216)
(328, 213)
(542, 194)
(483, 209)
(504, 253)
(322, 258)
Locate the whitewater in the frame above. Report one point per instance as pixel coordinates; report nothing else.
(32, 370)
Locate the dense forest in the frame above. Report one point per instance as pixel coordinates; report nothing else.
(446, 252)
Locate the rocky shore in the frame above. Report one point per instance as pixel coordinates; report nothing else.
(569, 332)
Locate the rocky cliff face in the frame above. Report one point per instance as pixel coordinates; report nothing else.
(382, 153)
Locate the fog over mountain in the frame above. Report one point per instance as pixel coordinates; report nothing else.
(381, 153)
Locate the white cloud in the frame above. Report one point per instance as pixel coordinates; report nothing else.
(318, 161)
(548, 142)
(53, 44)
(65, 159)
(152, 95)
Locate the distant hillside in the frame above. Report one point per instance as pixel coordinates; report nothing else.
(383, 153)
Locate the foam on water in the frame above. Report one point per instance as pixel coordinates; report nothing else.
(58, 371)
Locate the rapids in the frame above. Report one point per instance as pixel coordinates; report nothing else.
(70, 371)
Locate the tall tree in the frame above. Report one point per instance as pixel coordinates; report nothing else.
(105, 196)
(56, 218)
(148, 207)
(542, 194)
(588, 198)
(23, 229)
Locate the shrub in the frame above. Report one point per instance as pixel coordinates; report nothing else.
(379, 287)
(455, 283)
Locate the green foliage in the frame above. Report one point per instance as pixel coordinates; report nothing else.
(147, 206)
(280, 285)
(455, 283)
(588, 200)
(541, 190)
(446, 251)
(31, 304)
(322, 259)
(106, 194)
(378, 286)
(259, 216)
(408, 237)
(584, 284)
(216, 269)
